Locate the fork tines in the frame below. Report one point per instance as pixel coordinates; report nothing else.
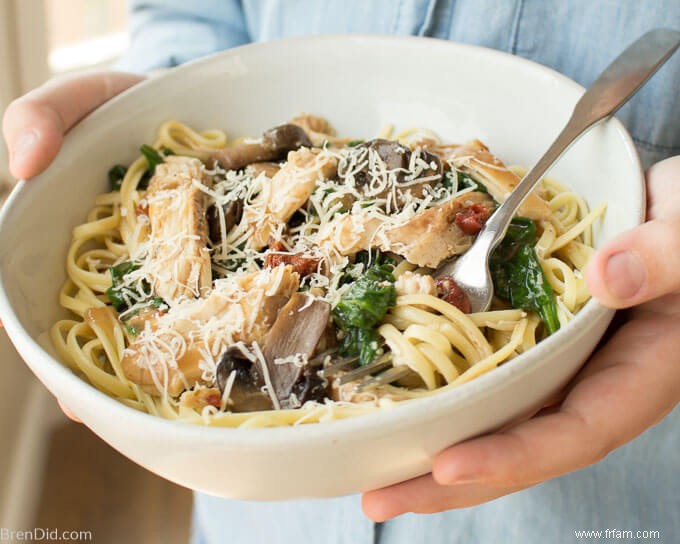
(320, 358)
(381, 363)
(390, 375)
(379, 372)
(338, 366)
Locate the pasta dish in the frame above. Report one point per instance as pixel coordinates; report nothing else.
(288, 278)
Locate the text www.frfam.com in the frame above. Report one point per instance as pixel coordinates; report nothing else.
(42, 534)
(619, 534)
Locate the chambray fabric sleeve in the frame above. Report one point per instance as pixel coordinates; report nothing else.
(165, 33)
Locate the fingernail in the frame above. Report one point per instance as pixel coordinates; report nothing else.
(624, 275)
(460, 479)
(453, 477)
(22, 147)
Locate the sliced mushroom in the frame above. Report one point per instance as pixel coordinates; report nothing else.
(275, 144)
(246, 393)
(292, 340)
(309, 386)
(232, 211)
(397, 158)
(285, 138)
(393, 154)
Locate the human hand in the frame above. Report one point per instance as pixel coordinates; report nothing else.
(34, 125)
(607, 404)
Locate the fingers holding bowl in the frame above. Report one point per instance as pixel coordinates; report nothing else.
(606, 406)
(424, 495)
(642, 264)
(34, 125)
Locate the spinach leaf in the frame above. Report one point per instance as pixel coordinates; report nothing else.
(521, 232)
(362, 307)
(121, 296)
(118, 293)
(517, 274)
(374, 257)
(122, 269)
(362, 342)
(116, 174)
(354, 143)
(367, 300)
(366, 258)
(449, 180)
(529, 288)
(153, 157)
(133, 326)
(466, 180)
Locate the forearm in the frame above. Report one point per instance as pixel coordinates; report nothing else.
(171, 32)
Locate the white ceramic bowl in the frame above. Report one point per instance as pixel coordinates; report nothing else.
(360, 84)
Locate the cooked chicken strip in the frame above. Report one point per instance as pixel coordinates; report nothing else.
(426, 239)
(177, 348)
(179, 262)
(433, 235)
(475, 158)
(285, 193)
(254, 299)
(350, 233)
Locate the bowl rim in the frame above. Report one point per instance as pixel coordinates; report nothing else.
(380, 421)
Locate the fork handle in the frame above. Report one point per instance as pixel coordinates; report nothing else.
(615, 86)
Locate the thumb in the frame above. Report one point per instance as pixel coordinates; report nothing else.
(34, 125)
(637, 266)
(643, 263)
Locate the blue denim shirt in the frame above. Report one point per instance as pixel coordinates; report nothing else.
(635, 488)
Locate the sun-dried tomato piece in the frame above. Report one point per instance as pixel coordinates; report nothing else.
(449, 291)
(472, 219)
(301, 263)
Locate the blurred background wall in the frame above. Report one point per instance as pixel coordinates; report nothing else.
(54, 472)
(40, 39)
(43, 38)
(18, 389)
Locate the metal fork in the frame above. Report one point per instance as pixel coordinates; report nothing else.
(380, 369)
(615, 86)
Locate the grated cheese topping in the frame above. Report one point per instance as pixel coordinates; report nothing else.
(334, 216)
